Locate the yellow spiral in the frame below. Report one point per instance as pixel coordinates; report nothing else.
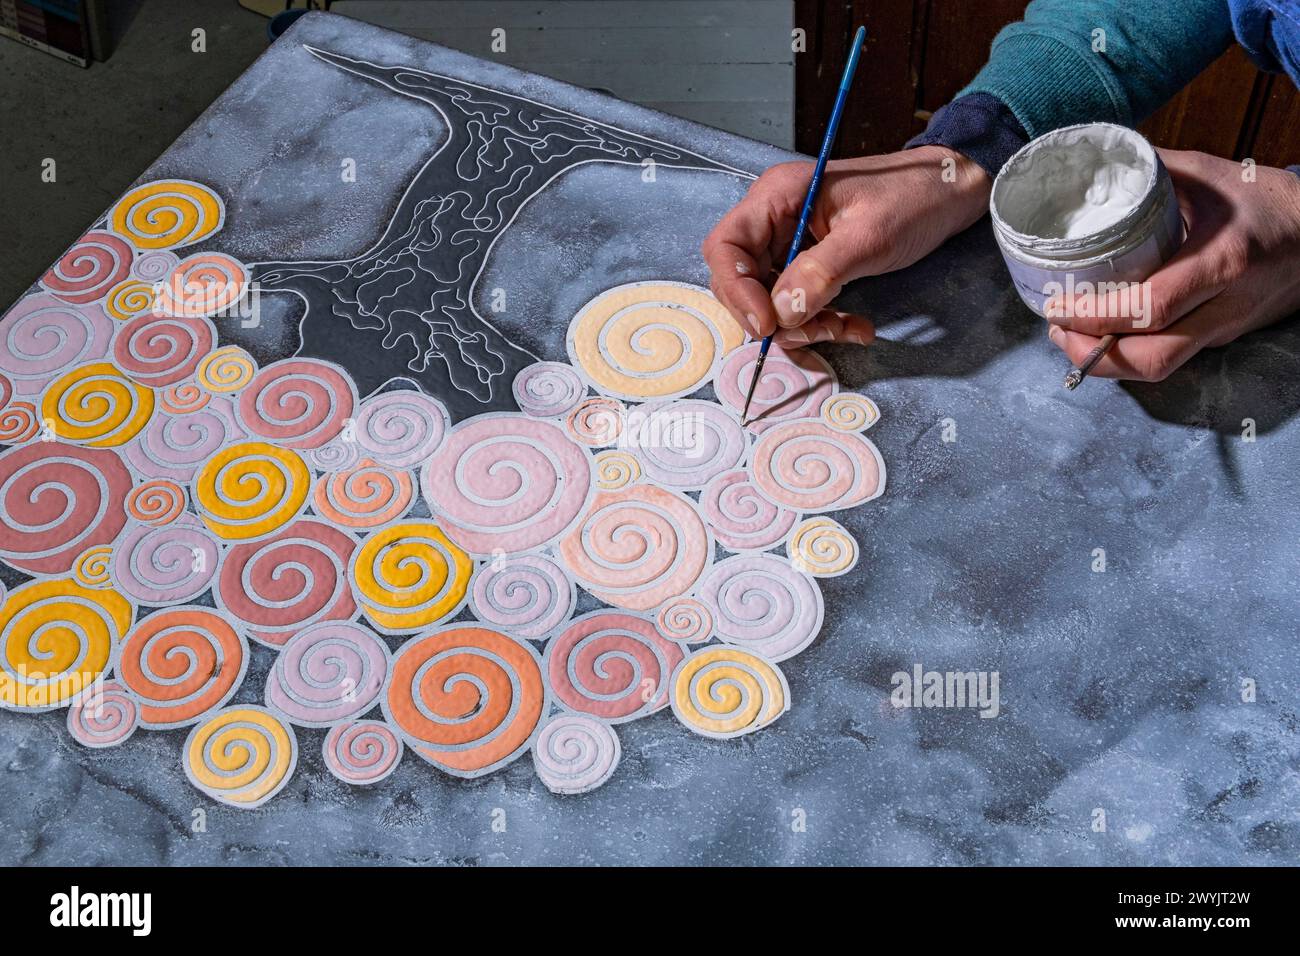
(226, 370)
(725, 692)
(91, 567)
(822, 547)
(614, 469)
(242, 756)
(97, 405)
(58, 639)
(849, 412)
(250, 489)
(410, 575)
(128, 299)
(651, 339)
(167, 214)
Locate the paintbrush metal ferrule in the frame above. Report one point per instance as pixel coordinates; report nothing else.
(1076, 375)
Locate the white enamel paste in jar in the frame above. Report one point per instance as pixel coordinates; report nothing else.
(1084, 204)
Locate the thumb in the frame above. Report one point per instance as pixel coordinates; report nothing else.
(818, 274)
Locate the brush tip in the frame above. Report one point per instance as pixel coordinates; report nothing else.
(1073, 379)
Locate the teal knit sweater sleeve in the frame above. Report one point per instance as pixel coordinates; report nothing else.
(1053, 68)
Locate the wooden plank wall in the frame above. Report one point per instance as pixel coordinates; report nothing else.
(921, 52)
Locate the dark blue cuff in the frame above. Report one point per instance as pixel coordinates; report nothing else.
(977, 125)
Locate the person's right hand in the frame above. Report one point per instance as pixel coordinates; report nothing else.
(874, 214)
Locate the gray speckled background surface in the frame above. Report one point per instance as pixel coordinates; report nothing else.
(1119, 690)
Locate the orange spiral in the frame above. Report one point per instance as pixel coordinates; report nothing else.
(156, 502)
(182, 663)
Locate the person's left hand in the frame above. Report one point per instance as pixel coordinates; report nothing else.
(1238, 270)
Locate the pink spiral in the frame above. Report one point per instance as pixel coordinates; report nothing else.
(328, 672)
(97, 262)
(548, 390)
(794, 384)
(809, 466)
(175, 446)
(506, 482)
(202, 285)
(59, 500)
(611, 664)
(167, 564)
(162, 351)
(42, 336)
(741, 518)
(363, 752)
(297, 403)
(284, 583)
(760, 602)
(638, 547)
(400, 428)
(683, 444)
(104, 716)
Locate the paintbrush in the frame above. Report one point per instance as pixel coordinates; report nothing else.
(1077, 375)
(827, 143)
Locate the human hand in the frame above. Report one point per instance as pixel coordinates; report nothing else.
(873, 214)
(1238, 270)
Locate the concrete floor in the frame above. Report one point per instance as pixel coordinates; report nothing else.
(104, 125)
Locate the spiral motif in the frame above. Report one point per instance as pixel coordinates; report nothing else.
(41, 337)
(18, 423)
(548, 390)
(6, 390)
(741, 519)
(57, 501)
(154, 267)
(365, 496)
(156, 502)
(226, 370)
(336, 455)
(849, 412)
(611, 665)
(401, 428)
(104, 716)
(793, 385)
(410, 575)
(686, 620)
(575, 754)
(505, 482)
(616, 469)
(808, 466)
(202, 285)
(129, 298)
(597, 421)
(167, 564)
(162, 351)
(527, 596)
(326, 673)
(97, 405)
(651, 339)
(822, 547)
(297, 403)
(725, 692)
(250, 490)
(184, 398)
(59, 638)
(282, 584)
(760, 602)
(97, 262)
(175, 446)
(167, 214)
(361, 753)
(181, 663)
(684, 444)
(241, 756)
(638, 547)
(91, 567)
(467, 699)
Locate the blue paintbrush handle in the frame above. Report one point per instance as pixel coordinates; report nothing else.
(828, 143)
